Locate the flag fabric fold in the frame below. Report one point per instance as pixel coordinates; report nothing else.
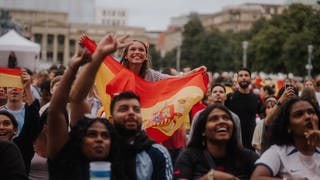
(165, 104)
(10, 77)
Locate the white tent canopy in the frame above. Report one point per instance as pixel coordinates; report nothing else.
(27, 52)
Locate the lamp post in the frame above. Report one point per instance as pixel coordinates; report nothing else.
(309, 65)
(178, 55)
(178, 58)
(244, 57)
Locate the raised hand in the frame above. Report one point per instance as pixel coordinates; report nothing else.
(110, 44)
(81, 57)
(313, 137)
(26, 78)
(287, 94)
(215, 174)
(195, 70)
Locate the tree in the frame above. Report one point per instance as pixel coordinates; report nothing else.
(6, 22)
(192, 30)
(156, 59)
(281, 43)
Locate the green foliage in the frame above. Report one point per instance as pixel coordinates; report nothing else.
(156, 59)
(281, 45)
(276, 45)
(6, 22)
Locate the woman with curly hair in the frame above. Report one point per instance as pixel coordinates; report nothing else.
(295, 140)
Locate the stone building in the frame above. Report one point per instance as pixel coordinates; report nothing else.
(58, 37)
(231, 19)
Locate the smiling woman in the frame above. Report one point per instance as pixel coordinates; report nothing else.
(69, 153)
(136, 58)
(8, 126)
(214, 149)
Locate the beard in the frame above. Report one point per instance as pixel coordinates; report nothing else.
(124, 132)
(244, 84)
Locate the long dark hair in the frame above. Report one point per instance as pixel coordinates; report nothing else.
(197, 139)
(11, 117)
(79, 130)
(279, 128)
(146, 64)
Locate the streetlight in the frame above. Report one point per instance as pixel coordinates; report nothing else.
(309, 65)
(178, 58)
(178, 55)
(244, 57)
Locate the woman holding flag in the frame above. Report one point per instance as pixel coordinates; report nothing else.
(136, 57)
(112, 78)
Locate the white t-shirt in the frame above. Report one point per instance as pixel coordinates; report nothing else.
(318, 97)
(287, 161)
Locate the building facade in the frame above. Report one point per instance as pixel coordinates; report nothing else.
(59, 38)
(111, 16)
(231, 19)
(240, 17)
(79, 11)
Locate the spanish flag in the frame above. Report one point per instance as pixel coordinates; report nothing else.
(165, 104)
(10, 77)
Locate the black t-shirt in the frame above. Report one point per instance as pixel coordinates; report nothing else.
(69, 164)
(246, 106)
(192, 164)
(11, 162)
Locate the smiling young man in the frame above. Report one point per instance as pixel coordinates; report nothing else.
(219, 95)
(138, 156)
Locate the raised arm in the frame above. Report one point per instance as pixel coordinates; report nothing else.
(287, 94)
(26, 80)
(86, 77)
(57, 126)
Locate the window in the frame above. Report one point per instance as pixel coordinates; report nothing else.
(72, 49)
(60, 40)
(60, 57)
(50, 39)
(49, 56)
(38, 38)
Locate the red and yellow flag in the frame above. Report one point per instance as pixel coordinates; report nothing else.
(10, 77)
(165, 104)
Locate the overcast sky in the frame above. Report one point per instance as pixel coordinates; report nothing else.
(156, 14)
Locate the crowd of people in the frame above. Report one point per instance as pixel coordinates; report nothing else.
(52, 129)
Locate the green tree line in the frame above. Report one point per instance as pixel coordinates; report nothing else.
(276, 45)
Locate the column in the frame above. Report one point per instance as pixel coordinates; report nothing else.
(44, 46)
(55, 48)
(66, 50)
